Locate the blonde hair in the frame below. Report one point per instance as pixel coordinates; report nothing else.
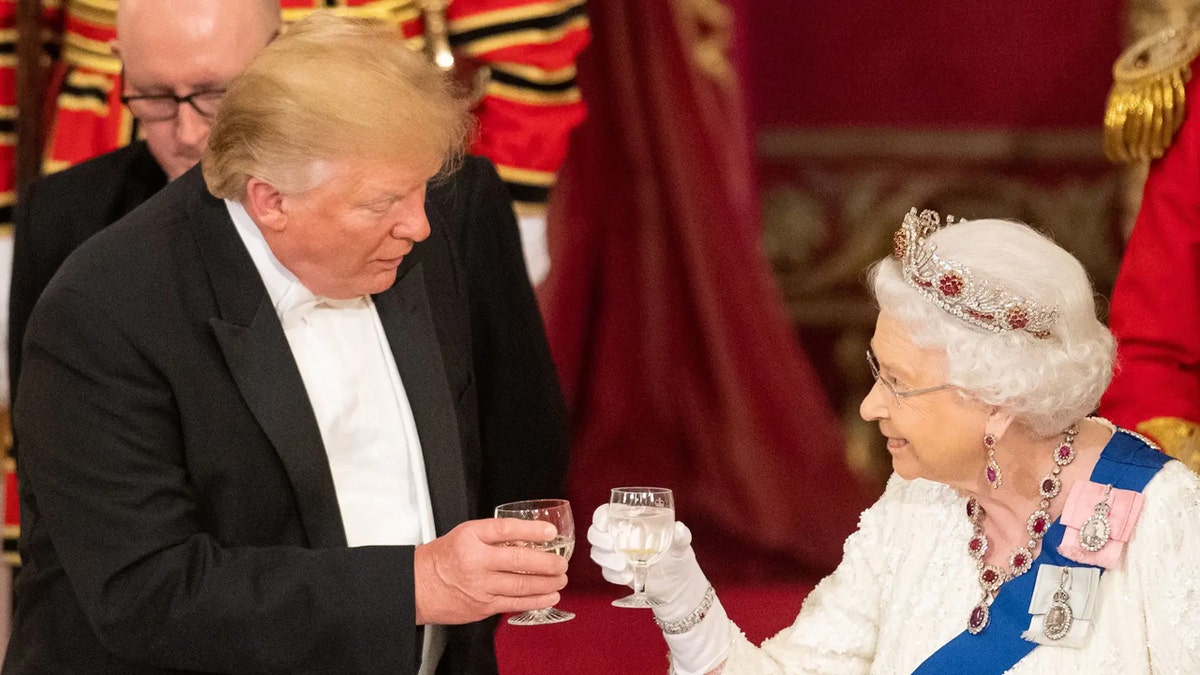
(332, 88)
(1046, 383)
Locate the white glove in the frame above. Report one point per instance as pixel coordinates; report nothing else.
(678, 581)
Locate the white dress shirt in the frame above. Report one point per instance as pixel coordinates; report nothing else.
(362, 410)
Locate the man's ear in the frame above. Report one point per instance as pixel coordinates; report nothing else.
(265, 204)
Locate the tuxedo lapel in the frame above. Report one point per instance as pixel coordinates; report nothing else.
(260, 360)
(407, 319)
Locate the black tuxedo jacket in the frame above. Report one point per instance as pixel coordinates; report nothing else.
(178, 512)
(58, 213)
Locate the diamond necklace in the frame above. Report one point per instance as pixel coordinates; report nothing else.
(991, 577)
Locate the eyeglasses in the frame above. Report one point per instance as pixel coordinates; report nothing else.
(163, 107)
(898, 394)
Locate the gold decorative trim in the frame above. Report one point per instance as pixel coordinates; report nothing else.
(50, 166)
(531, 96)
(391, 13)
(1146, 103)
(86, 80)
(536, 36)
(84, 58)
(1178, 438)
(535, 74)
(97, 5)
(82, 104)
(512, 174)
(529, 208)
(512, 14)
(93, 15)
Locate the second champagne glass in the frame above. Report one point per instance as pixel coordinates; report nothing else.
(642, 522)
(557, 512)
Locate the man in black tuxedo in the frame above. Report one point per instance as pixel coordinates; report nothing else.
(256, 427)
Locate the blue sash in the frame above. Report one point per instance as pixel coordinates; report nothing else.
(1128, 464)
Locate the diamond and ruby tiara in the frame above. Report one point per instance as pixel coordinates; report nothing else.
(952, 287)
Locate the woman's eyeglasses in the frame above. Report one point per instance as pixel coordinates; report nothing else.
(898, 394)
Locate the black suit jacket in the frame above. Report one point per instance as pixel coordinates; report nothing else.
(58, 213)
(178, 513)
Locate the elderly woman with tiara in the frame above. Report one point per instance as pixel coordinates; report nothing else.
(1018, 534)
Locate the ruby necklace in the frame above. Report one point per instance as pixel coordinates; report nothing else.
(991, 577)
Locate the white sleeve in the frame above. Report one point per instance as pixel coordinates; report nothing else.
(837, 628)
(1162, 559)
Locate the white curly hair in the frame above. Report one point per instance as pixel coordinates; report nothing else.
(1045, 383)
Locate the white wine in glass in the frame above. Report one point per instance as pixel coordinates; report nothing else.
(557, 512)
(642, 523)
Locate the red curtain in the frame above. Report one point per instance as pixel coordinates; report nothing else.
(677, 360)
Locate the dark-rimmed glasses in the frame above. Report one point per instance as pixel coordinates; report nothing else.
(163, 107)
(898, 394)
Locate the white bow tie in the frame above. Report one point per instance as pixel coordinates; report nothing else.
(299, 302)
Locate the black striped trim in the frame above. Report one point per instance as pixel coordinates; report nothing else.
(536, 23)
(533, 194)
(6, 216)
(504, 77)
(8, 47)
(8, 126)
(83, 92)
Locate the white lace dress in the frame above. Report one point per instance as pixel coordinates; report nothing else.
(907, 585)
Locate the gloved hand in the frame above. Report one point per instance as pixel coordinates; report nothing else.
(678, 581)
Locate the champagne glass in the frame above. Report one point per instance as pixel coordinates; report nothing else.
(557, 512)
(642, 522)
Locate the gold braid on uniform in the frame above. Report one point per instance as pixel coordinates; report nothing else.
(1178, 438)
(1146, 102)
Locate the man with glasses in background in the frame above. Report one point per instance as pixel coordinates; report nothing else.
(177, 57)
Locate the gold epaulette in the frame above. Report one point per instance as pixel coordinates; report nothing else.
(1146, 102)
(1179, 438)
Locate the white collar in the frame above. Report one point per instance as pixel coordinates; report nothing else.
(284, 289)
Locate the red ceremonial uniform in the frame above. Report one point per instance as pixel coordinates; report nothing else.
(1155, 311)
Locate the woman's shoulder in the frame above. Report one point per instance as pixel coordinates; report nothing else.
(904, 498)
(919, 491)
(1168, 517)
(1174, 490)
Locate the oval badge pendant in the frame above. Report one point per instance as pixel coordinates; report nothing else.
(1057, 622)
(1094, 533)
(1096, 530)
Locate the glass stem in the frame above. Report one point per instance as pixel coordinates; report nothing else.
(639, 579)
